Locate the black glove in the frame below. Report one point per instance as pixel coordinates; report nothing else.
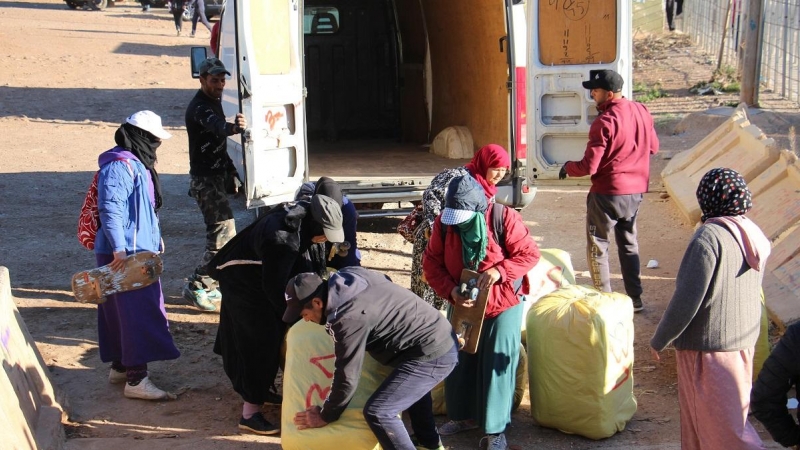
(562, 175)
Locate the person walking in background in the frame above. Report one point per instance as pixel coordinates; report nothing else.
(780, 373)
(146, 5)
(132, 326)
(670, 7)
(480, 390)
(213, 175)
(489, 165)
(253, 269)
(415, 340)
(713, 317)
(621, 139)
(177, 8)
(199, 14)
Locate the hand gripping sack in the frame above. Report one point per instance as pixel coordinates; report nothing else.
(580, 361)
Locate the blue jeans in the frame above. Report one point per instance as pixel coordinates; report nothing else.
(408, 387)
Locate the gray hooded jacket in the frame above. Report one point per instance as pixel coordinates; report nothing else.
(367, 312)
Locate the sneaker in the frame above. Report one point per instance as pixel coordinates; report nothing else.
(214, 295)
(146, 390)
(494, 442)
(273, 398)
(115, 377)
(258, 425)
(198, 298)
(457, 426)
(179, 32)
(637, 304)
(419, 446)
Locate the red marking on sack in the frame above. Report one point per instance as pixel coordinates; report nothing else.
(322, 393)
(625, 375)
(556, 274)
(315, 361)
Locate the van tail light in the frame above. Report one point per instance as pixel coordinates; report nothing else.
(521, 125)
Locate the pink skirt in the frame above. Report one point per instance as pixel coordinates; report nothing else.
(714, 393)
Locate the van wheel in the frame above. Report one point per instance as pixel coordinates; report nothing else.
(98, 4)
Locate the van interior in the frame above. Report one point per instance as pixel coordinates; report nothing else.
(384, 77)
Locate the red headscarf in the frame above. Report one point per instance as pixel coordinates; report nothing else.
(488, 157)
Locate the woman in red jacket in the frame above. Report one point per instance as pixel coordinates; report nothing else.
(463, 237)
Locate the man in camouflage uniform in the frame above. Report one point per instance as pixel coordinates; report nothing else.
(213, 175)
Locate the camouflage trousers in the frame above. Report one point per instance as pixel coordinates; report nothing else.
(209, 193)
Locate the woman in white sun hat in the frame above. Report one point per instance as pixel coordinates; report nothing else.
(132, 326)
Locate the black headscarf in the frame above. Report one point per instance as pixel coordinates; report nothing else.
(143, 145)
(723, 192)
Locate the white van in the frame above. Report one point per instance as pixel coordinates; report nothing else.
(358, 89)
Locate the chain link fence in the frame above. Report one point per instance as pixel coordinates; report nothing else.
(719, 26)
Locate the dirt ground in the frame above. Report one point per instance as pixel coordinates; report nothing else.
(72, 76)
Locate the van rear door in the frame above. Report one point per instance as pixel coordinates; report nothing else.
(566, 39)
(516, 191)
(261, 44)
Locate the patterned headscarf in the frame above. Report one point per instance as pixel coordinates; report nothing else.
(723, 192)
(488, 157)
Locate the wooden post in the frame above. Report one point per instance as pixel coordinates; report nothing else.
(725, 23)
(751, 62)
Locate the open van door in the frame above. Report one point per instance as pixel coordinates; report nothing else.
(265, 60)
(516, 191)
(567, 38)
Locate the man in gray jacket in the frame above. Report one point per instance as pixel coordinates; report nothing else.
(364, 311)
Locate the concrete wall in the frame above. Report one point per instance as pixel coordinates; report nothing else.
(30, 415)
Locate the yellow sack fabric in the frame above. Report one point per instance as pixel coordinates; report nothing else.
(580, 361)
(307, 381)
(553, 271)
(762, 349)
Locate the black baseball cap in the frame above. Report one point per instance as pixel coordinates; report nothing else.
(328, 213)
(604, 79)
(300, 290)
(212, 66)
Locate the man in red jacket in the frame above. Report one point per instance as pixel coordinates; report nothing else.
(621, 140)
